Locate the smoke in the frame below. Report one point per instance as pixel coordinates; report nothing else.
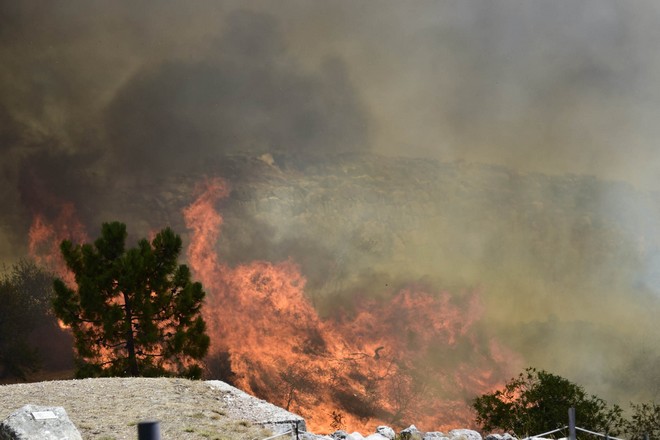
(93, 94)
(373, 144)
(553, 87)
(247, 95)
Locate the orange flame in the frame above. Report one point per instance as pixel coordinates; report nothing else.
(44, 240)
(412, 358)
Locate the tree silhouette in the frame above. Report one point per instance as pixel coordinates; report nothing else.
(645, 420)
(134, 312)
(26, 316)
(538, 401)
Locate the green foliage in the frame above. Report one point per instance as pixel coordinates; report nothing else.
(537, 401)
(645, 419)
(135, 312)
(25, 295)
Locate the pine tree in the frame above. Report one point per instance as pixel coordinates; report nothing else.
(134, 312)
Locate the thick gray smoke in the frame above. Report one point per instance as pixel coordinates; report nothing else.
(247, 94)
(105, 104)
(94, 94)
(552, 87)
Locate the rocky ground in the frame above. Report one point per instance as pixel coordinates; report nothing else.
(111, 408)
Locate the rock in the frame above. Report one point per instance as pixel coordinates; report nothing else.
(386, 431)
(244, 406)
(410, 433)
(310, 436)
(357, 436)
(464, 434)
(435, 435)
(506, 436)
(33, 422)
(343, 435)
(377, 436)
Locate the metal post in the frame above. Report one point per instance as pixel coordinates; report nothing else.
(571, 424)
(149, 430)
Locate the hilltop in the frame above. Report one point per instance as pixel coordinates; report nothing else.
(110, 408)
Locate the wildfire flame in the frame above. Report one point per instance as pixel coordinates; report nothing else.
(44, 238)
(412, 357)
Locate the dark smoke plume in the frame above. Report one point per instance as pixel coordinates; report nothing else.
(247, 95)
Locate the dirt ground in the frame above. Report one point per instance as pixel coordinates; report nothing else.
(111, 408)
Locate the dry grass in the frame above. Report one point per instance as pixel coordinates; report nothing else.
(111, 408)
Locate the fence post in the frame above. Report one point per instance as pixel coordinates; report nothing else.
(571, 424)
(149, 430)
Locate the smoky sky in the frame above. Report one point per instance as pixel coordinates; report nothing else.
(550, 86)
(102, 100)
(247, 95)
(546, 86)
(105, 92)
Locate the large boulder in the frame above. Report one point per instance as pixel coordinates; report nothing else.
(410, 433)
(506, 436)
(435, 435)
(464, 434)
(376, 436)
(309, 436)
(343, 435)
(33, 422)
(386, 431)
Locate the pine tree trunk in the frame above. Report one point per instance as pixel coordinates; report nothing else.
(130, 341)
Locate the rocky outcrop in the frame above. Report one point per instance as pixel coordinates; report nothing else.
(464, 434)
(257, 411)
(410, 433)
(499, 437)
(386, 432)
(33, 422)
(435, 435)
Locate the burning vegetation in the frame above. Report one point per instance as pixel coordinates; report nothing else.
(334, 318)
(377, 363)
(408, 353)
(319, 297)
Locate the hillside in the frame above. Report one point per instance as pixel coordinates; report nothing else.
(559, 272)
